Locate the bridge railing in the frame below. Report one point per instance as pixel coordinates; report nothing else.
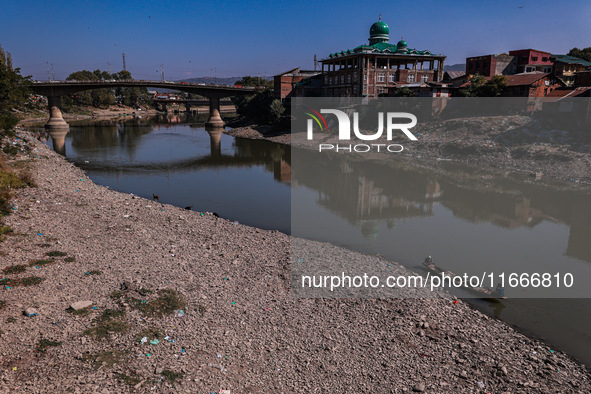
(140, 81)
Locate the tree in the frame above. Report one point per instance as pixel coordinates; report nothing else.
(256, 82)
(584, 53)
(130, 96)
(14, 93)
(261, 107)
(480, 87)
(403, 92)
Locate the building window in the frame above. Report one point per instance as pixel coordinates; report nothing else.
(534, 58)
(547, 69)
(349, 78)
(355, 90)
(392, 77)
(365, 77)
(411, 77)
(381, 78)
(330, 81)
(342, 79)
(325, 80)
(424, 78)
(544, 59)
(355, 77)
(380, 90)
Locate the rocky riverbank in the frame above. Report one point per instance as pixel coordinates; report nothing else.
(515, 143)
(184, 301)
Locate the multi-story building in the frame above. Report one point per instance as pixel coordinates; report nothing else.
(489, 65)
(531, 60)
(370, 70)
(566, 66)
(284, 83)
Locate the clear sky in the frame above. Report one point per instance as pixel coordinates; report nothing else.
(266, 37)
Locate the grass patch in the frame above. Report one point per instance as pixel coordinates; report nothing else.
(130, 380)
(41, 262)
(56, 253)
(116, 295)
(11, 320)
(5, 230)
(79, 312)
(70, 259)
(103, 359)
(44, 245)
(108, 323)
(15, 269)
(45, 344)
(172, 376)
(28, 281)
(2, 304)
(166, 303)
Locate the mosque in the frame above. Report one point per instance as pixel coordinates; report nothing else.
(376, 68)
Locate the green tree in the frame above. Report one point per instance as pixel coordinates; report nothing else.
(256, 82)
(261, 107)
(14, 93)
(403, 92)
(584, 53)
(480, 87)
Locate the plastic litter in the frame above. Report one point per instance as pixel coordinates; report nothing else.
(155, 341)
(144, 340)
(179, 313)
(481, 384)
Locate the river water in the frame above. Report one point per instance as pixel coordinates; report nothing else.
(494, 215)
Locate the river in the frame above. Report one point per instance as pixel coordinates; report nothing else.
(400, 211)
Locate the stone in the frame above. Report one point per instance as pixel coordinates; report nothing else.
(419, 388)
(30, 312)
(80, 305)
(464, 375)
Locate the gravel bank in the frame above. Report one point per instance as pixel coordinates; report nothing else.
(240, 329)
(515, 143)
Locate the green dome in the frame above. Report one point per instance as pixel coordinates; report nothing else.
(379, 29)
(401, 44)
(379, 32)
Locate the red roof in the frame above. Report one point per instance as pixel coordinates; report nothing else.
(525, 79)
(573, 92)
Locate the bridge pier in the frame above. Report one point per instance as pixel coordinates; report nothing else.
(58, 140)
(215, 119)
(56, 119)
(215, 140)
(164, 107)
(188, 108)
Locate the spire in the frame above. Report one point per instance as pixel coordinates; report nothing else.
(380, 16)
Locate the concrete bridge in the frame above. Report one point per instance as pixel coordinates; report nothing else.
(53, 90)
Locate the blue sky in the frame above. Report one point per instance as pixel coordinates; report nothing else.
(263, 38)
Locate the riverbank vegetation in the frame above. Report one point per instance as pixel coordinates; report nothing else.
(13, 94)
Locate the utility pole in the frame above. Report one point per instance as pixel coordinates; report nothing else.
(162, 72)
(315, 63)
(215, 75)
(109, 66)
(124, 68)
(48, 77)
(52, 73)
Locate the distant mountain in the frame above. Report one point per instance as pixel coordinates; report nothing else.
(455, 67)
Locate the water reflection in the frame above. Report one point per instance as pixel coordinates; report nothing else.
(368, 193)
